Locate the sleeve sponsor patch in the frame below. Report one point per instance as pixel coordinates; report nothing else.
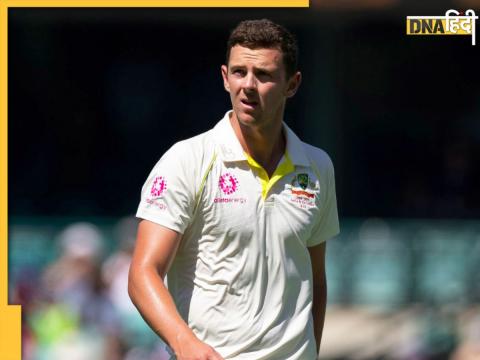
(159, 186)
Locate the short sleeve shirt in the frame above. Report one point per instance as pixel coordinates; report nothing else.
(242, 276)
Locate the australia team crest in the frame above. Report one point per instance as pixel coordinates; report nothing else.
(302, 180)
(302, 189)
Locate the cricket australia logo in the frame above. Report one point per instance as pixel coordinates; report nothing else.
(228, 183)
(302, 190)
(302, 186)
(302, 180)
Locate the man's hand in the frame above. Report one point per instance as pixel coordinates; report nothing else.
(190, 348)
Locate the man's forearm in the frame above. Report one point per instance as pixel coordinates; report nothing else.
(155, 304)
(318, 310)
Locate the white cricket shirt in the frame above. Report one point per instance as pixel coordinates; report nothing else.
(242, 276)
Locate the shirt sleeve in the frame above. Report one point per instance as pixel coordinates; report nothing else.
(168, 195)
(327, 225)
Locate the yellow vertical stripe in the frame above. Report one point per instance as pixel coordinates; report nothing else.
(10, 315)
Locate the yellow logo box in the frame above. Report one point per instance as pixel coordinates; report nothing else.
(453, 23)
(432, 26)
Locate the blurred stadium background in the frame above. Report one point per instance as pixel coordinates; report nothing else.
(97, 95)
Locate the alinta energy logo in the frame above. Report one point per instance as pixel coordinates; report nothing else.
(228, 183)
(453, 23)
(155, 198)
(159, 186)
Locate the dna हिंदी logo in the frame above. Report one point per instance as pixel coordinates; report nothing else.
(453, 23)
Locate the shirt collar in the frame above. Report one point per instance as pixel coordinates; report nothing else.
(231, 150)
(295, 148)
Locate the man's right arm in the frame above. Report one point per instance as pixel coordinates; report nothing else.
(155, 250)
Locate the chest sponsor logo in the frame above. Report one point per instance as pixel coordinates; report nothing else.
(228, 184)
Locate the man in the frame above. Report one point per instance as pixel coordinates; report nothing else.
(238, 217)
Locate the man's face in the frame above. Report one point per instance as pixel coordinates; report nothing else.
(258, 85)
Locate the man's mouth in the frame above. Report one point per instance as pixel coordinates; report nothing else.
(249, 103)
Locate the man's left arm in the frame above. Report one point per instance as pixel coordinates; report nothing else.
(317, 257)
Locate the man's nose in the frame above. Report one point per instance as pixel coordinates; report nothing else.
(250, 82)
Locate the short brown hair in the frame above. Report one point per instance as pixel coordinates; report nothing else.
(264, 33)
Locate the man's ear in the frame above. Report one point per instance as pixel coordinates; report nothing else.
(224, 70)
(293, 84)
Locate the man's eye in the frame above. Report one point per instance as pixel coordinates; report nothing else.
(238, 72)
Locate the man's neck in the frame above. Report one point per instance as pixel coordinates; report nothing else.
(265, 145)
